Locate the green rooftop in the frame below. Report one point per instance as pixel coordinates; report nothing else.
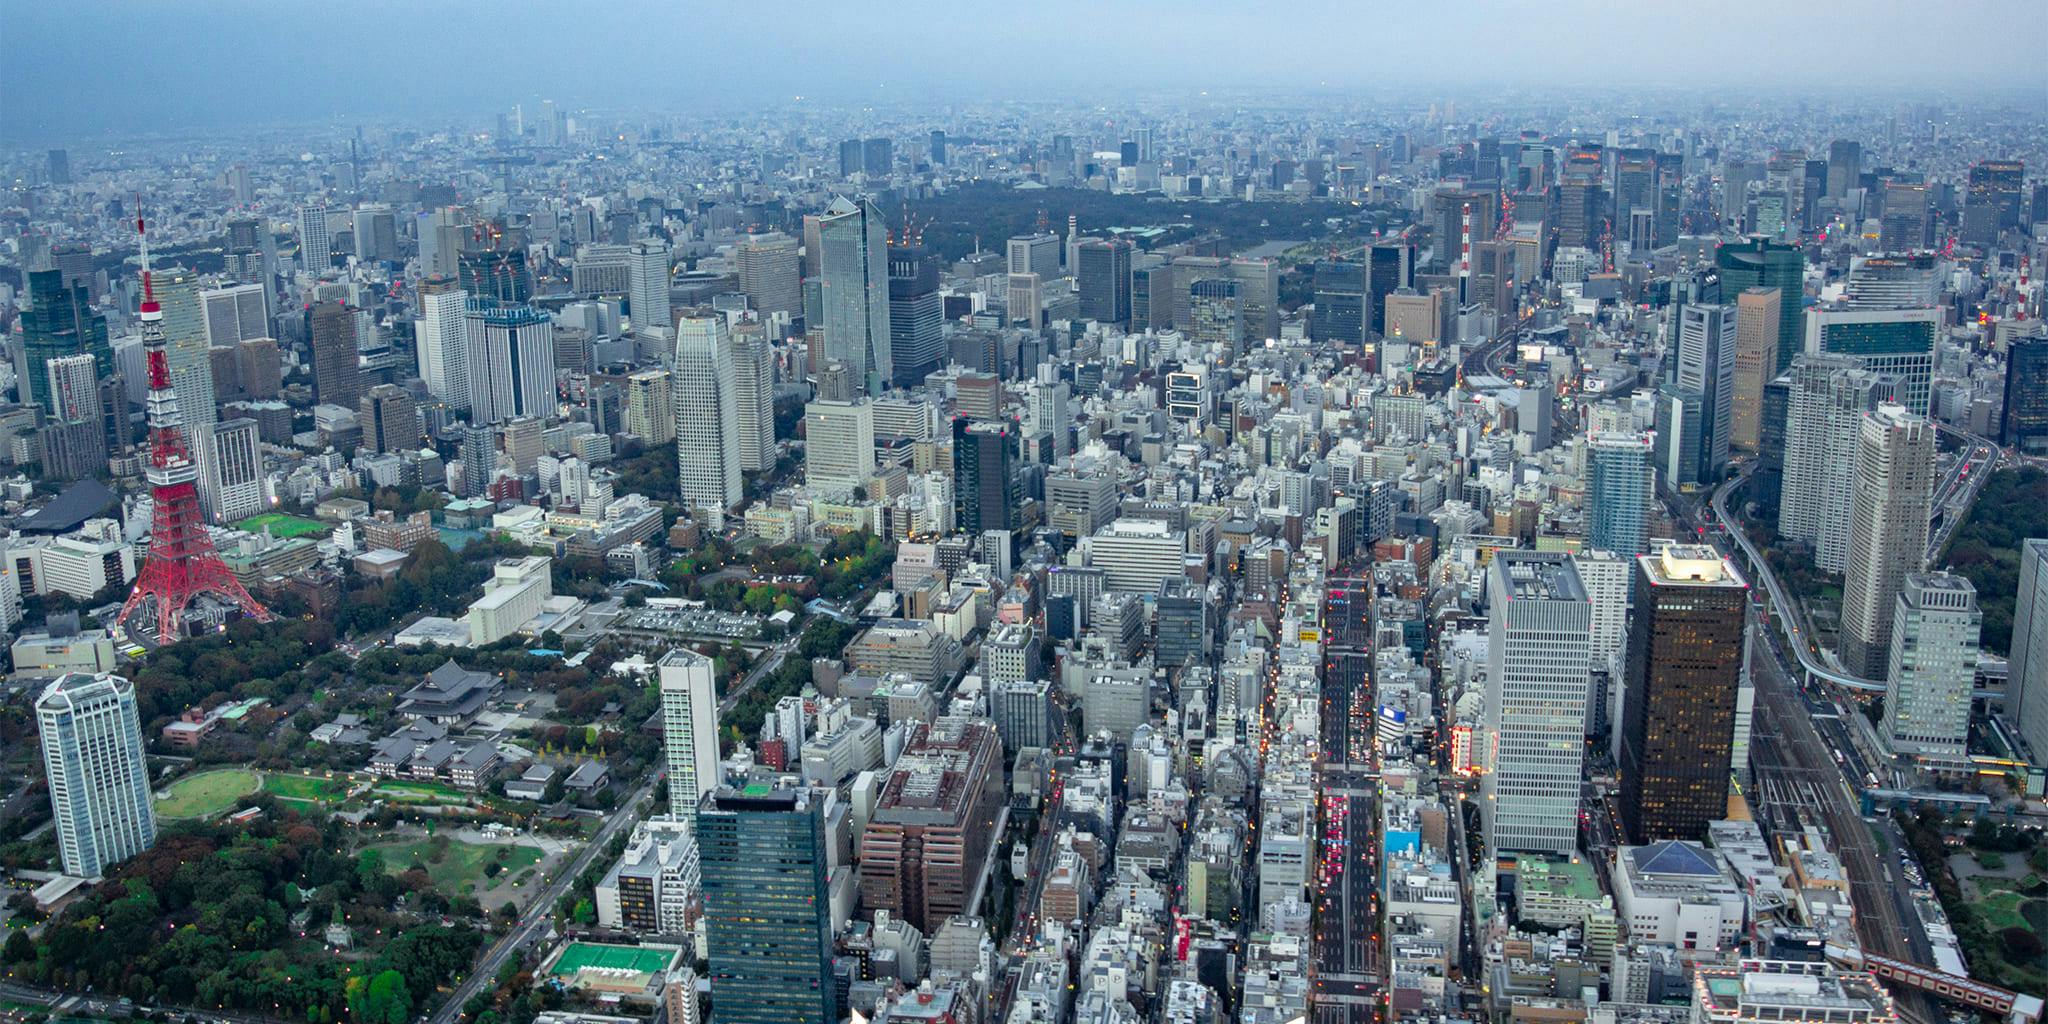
(1570, 879)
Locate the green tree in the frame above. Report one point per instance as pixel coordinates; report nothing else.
(585, 912)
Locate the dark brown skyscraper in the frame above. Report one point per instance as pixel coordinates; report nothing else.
(1685, 667)
(337, 376)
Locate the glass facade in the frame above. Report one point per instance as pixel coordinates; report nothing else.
(767, 911)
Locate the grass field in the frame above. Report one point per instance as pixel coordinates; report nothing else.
(207, 793)
(2000, 909)
(418, 791)
(580, 955)
(305, 788)
(285, 527)
(461, 865)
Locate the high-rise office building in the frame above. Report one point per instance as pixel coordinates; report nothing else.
(2024, 423)
(765, 867)
(510, 360)
(498, 274)
(877, 157)
(440, 342)
(689, 728)
(938, 147)
(315, 252)
(1826, 399)
(707, 415)
(855, 269)
(1899, 343)
(100, 796)
(1618, 492)
(1760, 263)
(1537, 681)
(479, 460)
(839, 444)
(770, 270)
(917, 341)
(648, 285)
(1908, 218)
(1756, 363)
(59, 322)
(184, 324)
(1845, 167)
(931, 832)
(390, 419)
(1887, 531)
(1704, 372)
(230, 458)
(1216, 314)
(1035, 254)
(1686, 673)
(1999, 187)
(753, 362)
(986, 488)
(1908, 281)
(337, 373)
(2026, 688)
(235, 314)
(1390, 267)
(1340, 303)
(75, 436)
(651, 406)
(1932, 667)
(1105, 280)
(60, 167)
(376, 230)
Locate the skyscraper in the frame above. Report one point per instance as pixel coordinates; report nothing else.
(230, 470)
(337, 375)
(1705, 373)
(1932, 667)
(479, 460)
(59, 322)
(917, 342)
(1391, 267)
(1825, 403)
(839, 444)
(1756, 363)
(440, 342)
(1685, 678)
(767, 906)
(856, 290)
(651, 406)
(1340, 301)
(753, 362)
(500, 275)
(1539, 621)
(648, 294)
(376, 230)
(1899, 343)
(390, 419)
(2024, 422)
(1908, 217)
(510, 358)
(314, 252)
(1760, 263)
(1617, 492)
(1999, 187)
(1105, 280)
(707, 415)
(689, 728)
(986, 488)
(1887, 531)
(93, 761)
(184, 324)
(932, 829)
(2027, 676)
(75, 437)
(1845, 167)
(235, 314)
(1035, 254)
(60, 167)
(770, 274)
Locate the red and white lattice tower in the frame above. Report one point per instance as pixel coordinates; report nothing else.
(182, 563)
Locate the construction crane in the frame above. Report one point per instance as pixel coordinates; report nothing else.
(1607, 245)
(1507, 215)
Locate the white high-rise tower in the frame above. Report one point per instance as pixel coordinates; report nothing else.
(99, 782)
(689, 729)
(1536, 701)
(707, 417)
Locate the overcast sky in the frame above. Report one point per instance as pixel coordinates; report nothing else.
(85, 66)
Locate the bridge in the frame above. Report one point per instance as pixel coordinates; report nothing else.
(1990, 999)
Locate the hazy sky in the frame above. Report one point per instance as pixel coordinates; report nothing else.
(85, 66)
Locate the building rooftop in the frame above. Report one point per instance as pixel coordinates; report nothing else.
(1691, 565)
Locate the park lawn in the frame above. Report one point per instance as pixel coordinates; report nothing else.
(206, 794)
(463, 863)
(285, 527)
(305, 788)
(420, 791)
(2000, 909)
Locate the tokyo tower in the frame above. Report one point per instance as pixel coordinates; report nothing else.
(182, 563)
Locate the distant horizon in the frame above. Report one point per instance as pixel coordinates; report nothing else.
(157, 69)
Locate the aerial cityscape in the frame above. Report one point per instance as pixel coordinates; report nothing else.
(1087, 515)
